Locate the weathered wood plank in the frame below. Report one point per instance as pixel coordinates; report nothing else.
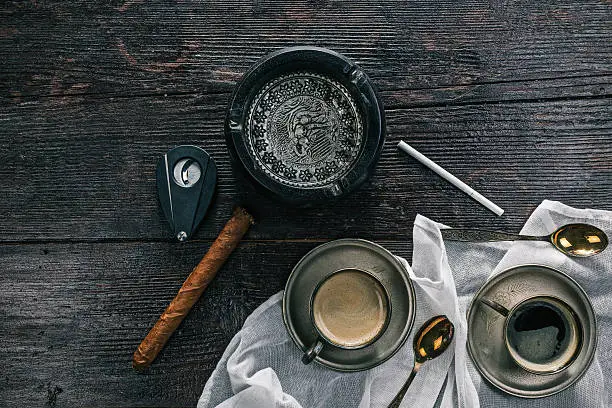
(156, 46)
(72, 315)
(83, 168)
(502, 91)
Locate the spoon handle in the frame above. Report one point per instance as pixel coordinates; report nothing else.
(478, 235)
(400, 395)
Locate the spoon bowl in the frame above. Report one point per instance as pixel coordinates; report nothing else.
(432, 339)
(580, 240)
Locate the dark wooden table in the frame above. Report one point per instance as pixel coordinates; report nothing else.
(511, 96)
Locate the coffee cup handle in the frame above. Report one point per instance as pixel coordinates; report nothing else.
(496, 306)
(312, 352)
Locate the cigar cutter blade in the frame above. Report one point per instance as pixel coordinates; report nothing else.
(186, 180)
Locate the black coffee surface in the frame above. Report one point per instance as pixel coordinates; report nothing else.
(539, 332)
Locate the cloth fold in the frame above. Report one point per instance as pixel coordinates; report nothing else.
(261, 366)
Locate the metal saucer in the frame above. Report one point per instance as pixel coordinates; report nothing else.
(485, 330)
(342, 254)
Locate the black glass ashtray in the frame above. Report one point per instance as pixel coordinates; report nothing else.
(306, 125)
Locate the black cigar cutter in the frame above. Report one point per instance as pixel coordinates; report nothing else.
(186, 180)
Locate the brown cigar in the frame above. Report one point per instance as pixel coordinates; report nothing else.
(192, 289)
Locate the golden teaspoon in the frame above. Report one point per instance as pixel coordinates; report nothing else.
(434, 336)
(572, 239)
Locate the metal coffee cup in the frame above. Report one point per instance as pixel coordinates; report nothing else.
(542, 333)
(350, 309)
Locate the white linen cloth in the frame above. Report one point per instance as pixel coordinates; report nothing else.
(261, 366)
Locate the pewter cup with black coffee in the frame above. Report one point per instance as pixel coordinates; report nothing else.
(349, 309)
(542, 333)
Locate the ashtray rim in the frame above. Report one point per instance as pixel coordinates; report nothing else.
(320, 61)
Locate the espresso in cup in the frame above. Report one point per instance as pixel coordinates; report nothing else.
(543, 335)
(349, 309)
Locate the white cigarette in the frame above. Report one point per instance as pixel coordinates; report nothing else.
(450, 178)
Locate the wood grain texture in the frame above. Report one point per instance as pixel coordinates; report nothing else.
(161, 46)
(513, 97)
(84, 170)
(72, 315)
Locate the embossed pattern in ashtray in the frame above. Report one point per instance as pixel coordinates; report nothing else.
(304, 130)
